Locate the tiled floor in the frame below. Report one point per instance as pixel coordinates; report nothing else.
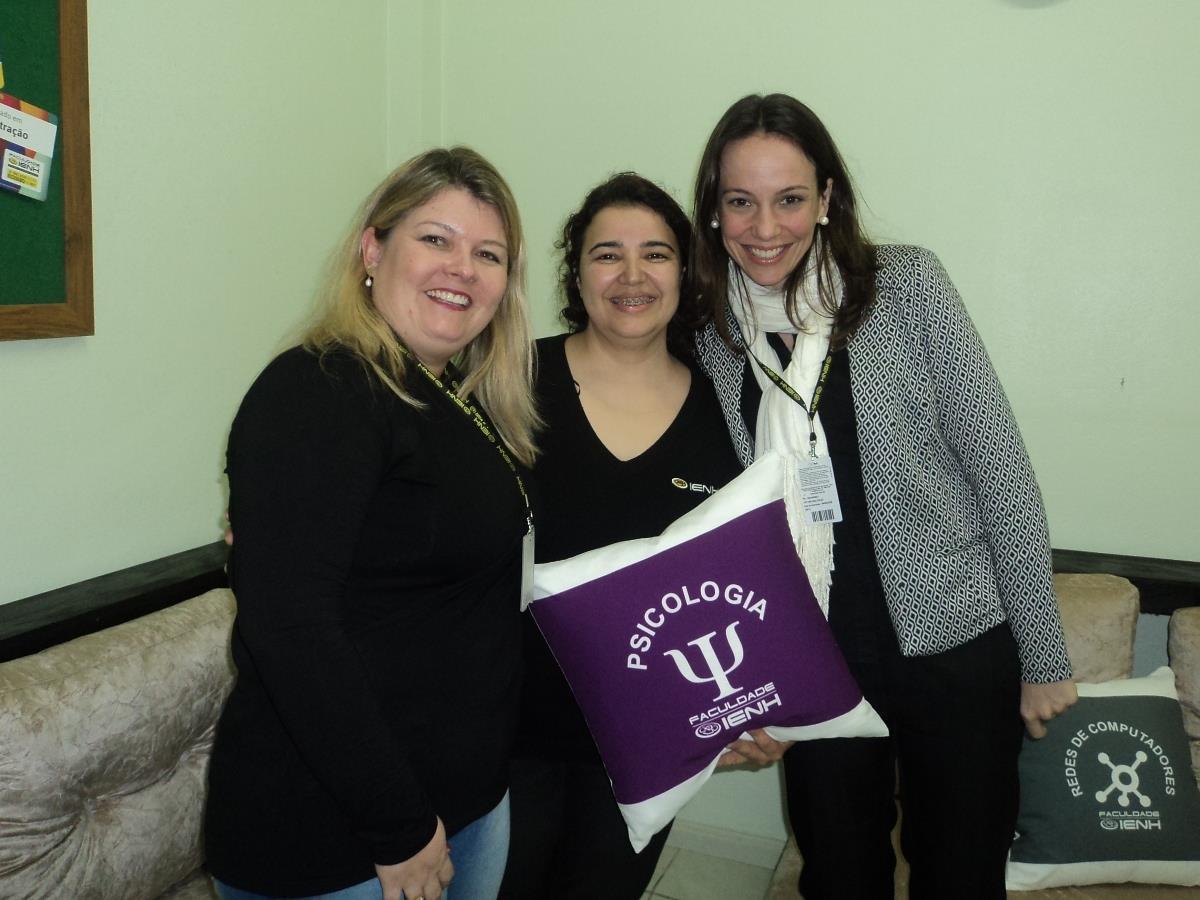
(687, 875)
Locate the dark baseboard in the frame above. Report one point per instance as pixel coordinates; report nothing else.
(35, 623)
(41, 621)
(1165, 585)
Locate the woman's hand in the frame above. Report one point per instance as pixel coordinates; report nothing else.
(761, 751)
(1042, 702)
(420, 877)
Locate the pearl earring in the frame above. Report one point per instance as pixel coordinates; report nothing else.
(714, 223)
(369, 282)
(824, 220)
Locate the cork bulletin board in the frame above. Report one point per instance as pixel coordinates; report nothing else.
(46, 245)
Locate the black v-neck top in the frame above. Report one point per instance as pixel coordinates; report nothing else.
(587, 498)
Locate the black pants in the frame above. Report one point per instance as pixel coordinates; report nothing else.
(568, 840)
(955, 734)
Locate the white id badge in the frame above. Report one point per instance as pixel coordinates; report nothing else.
(526, 570)
(818, 490)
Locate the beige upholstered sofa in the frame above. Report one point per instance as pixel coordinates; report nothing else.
(1100, 615)
(104, 745)
(104, 742)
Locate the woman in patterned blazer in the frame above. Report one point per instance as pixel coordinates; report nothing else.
(930, 554)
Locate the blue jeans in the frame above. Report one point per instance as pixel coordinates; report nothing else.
(478, 852)
(367, 890)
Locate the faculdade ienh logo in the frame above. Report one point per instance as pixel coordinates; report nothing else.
(1112, 780)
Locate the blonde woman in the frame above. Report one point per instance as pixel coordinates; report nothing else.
(376, 481)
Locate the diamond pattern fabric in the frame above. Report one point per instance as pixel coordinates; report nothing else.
(956, 514)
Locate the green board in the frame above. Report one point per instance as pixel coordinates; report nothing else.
(32, 243)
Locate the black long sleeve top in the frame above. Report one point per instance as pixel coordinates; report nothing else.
(377, 641)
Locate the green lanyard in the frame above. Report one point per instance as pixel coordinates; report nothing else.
(472, 412)
(810, 409)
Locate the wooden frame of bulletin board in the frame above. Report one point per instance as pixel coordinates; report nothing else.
(46, 257)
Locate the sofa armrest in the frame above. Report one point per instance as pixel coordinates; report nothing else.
(104, 745)
(1183, 648)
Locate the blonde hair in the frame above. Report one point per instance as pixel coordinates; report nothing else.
(497, 365)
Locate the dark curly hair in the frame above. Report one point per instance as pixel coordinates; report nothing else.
(628, 189)
(851, 252)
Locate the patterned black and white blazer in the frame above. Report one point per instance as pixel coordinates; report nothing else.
(956, 514)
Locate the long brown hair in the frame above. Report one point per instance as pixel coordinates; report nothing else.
(842, 242)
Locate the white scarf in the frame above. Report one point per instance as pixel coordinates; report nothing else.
(782, 426)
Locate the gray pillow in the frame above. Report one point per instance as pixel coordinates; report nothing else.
(1109, 795)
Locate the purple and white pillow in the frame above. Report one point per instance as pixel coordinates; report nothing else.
(676, 645)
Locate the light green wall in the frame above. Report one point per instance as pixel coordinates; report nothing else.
(1045, 149)
(415, 77)
(230, 143)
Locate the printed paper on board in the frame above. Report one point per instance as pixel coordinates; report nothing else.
(27, 137)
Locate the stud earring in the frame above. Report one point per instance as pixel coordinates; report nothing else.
(824, 220)
(714, 223)
(369, 282)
